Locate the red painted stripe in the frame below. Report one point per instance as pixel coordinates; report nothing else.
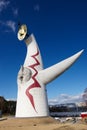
(35, 84)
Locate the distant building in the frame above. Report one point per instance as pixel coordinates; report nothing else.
(68, 109)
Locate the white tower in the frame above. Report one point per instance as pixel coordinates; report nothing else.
(32, 78)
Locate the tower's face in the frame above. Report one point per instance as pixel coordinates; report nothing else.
(24, 75)
(22, 32)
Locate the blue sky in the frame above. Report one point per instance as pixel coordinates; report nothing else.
(60, 28)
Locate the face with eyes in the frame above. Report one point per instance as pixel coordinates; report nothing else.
(24, 75)
(22, 32)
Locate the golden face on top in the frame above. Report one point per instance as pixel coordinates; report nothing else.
(22, 32)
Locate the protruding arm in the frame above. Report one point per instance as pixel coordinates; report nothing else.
(49, 74)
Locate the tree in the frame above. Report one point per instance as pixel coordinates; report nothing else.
(3, 104)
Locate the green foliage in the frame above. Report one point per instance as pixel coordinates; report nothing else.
(7, 107)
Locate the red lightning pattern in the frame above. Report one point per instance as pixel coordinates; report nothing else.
(35, 84)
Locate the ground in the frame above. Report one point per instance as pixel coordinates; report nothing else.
(42, 123)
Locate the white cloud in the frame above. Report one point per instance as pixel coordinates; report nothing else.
(37, 7)
(12, 99)
(15, 12)
(64, 98)
(11, 25)
(8, 25)
(3, 4)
